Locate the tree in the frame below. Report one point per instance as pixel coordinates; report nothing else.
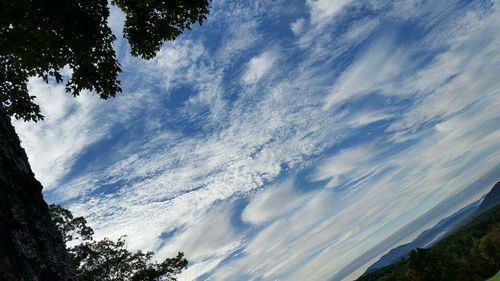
(108, 260)
(41, 37)
(427, 264)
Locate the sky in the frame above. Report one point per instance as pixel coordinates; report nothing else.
(283, 140)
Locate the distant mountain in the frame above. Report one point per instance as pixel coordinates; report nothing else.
(440, 230)
(472, 252)
(462, 241)
(427, 238)
(492, 199)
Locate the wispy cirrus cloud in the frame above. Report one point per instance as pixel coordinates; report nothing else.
(348, 163)
(322, 10)
(258, 66)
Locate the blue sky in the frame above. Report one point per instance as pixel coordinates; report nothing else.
(283, 140)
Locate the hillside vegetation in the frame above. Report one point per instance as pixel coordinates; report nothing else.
(470, 253)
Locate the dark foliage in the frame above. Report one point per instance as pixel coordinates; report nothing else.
(471, 253)
(106, 259)
(41, 37)
(149, 23)
(71, 228)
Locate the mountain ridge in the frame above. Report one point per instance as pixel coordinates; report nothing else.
(439, 231)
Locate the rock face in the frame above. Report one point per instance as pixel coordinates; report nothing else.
(30, 246)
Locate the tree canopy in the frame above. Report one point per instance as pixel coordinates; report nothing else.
(470, 253)
(41, 37)
(106, 259)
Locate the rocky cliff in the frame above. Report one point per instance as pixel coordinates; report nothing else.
(30, 247)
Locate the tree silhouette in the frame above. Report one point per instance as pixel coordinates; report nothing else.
(41, 37)
(106, 259)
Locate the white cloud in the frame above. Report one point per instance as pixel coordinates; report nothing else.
(298, 26)
(346, 165)
(363, 118)
(210, 236)
(272, 202)
(258, 66)
(323, 10)
(450, 83)
(330, 229)
(64, 133)
(382, 63)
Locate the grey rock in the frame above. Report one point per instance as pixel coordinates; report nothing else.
(30, 246)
